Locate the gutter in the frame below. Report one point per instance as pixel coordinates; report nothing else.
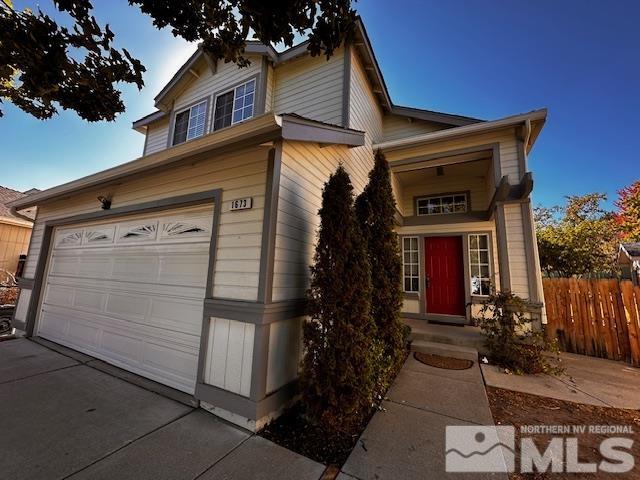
(17, 222)
(473, 129)
(254, 132)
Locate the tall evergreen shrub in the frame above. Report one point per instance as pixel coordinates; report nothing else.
(376, 208)
(336, 378)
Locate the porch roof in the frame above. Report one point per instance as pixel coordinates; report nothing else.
(534, 119)
(261, 129)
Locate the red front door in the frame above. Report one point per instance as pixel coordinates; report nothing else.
(444, 275)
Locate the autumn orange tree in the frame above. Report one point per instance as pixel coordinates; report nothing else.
(628, 215)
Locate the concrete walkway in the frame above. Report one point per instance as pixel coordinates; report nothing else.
(407, 439)
(589, 380)
(68, 416)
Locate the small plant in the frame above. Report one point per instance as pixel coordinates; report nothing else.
(514, 343)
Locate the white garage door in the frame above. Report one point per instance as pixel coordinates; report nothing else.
(131, 291)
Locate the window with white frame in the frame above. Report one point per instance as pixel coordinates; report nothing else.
(410, 264)
(190, 123)
(235, 105)
(479, 264)
(442, 204)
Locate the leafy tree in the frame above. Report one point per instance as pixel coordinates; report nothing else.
(375, 209)
(577, 239)
(628, 214)
(44, 65)
(336, 378)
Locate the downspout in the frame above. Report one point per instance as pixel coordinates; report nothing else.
(19, 215)
(527, 135)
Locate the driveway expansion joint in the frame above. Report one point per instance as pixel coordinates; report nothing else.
(405, 404)
(39, 373)
(130, 442)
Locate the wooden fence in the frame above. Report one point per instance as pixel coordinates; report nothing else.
(600, 317)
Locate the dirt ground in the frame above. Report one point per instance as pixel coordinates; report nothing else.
(517, 409)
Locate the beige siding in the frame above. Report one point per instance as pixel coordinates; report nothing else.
(210, 84)
(311, 87)
(305, 168)
(285, 349)
(410, 305)
(271, 79)
(364, 114)
(516, 247)
(156, 137)
(242, 174)
(14, 241)
(507, 145)
(205, 87)
(396, 127)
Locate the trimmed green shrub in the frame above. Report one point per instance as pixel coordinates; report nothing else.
(337, 378)
(513, 342)
(376, 209)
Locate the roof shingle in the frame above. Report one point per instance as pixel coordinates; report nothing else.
(9, 195)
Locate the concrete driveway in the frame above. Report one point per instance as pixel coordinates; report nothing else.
(67, 416)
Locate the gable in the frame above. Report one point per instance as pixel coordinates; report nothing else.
(204, 83)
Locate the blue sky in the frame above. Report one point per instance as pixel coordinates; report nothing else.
(482, 58)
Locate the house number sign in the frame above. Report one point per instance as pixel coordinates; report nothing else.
(241, 203)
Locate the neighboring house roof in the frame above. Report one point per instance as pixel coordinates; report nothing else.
(361, 42)
(629, 252)
(8, 195)
(256, 131)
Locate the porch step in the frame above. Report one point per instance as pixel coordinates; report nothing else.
(466, 336)
(446, 350)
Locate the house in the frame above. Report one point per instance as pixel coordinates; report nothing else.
(629, 261)
(15, 232)
(189, 265)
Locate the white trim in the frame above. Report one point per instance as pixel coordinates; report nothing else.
(16, 222)
(479, 263)
(440, 197)
(411, 276)
(188, 109)
(233, 108)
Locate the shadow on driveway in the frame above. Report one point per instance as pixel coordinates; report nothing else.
(62, 418)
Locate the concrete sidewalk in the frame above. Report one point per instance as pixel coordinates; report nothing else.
(407, 439)
(589, 380)
(68, 416)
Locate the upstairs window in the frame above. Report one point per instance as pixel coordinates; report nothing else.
(442, 204)
(235, 105)
(190, 123)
